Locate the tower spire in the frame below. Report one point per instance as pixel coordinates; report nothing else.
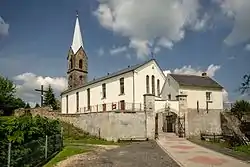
(77, 37)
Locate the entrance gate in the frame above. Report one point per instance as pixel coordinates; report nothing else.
(156, 126)
(181, 126)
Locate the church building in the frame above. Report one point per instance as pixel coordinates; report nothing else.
(121, 90)
(125, 89)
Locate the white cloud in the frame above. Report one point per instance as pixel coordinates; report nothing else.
(247, 47)
(239, 12)
(118, 50)
(30, 82)
(145, 22)
(188, 69)
(225, 96)
(100, 52)
(4, 27)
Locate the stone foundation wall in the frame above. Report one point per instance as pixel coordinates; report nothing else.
(108, 125)
(203, 121)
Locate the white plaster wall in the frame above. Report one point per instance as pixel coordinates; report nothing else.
(171, 88)
(160, 105)
(149, 69)
(199, 94)
(114, 126)
(174, 105)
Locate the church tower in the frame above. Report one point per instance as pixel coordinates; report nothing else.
(77, 60)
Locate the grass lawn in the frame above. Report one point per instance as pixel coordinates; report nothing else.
(244, 149)
(65, 153)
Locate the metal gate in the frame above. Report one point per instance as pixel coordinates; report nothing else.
(181, 126)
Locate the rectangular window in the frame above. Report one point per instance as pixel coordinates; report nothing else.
(122, 86)
(122, 103)
(77, 101)
(104, 91)
(208, 96)
(158, 87)
(67, 104)
(88, 98)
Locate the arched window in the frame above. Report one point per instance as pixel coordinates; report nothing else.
(80, 63)
(158, 87)
(71, 63)
(147, 84)
(153, 84)
(81, 78)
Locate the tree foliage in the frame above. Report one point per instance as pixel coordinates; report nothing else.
(245, 85)
(50, 99)
(240, 107)
(37, 105)
(8, 99)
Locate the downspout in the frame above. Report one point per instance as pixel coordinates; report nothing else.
(133, 107)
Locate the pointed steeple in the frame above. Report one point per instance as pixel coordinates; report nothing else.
(77, 38)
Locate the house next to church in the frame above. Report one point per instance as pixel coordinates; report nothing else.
(188, 104)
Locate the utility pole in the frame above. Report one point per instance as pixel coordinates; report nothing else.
(42, 91)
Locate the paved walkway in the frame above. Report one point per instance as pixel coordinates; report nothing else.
(188, 154)
(140, 154)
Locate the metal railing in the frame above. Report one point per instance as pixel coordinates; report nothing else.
(34, 153)
(115, 106)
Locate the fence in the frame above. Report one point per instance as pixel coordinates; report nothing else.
(34, 153)
(116, 106)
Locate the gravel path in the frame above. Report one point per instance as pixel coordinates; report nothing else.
(141, 154)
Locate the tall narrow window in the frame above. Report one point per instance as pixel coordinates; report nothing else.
(122, 86)
(104, 91)
(169, 96)
(80, 63)
(147, 84)
(153, 84)
(77, 101)
(208, 96)
(158, 87)
(67, 104)
(88, 98)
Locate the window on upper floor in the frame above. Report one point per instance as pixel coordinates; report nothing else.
(121, 86)
(158, 87)
(153, 84)
(147, 84)
(80, 63)
(208, 96)
(77, 101)
(104, 91)
(168, 82)
(88, 98)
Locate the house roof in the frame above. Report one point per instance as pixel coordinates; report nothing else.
(120, 72)
(195, 80)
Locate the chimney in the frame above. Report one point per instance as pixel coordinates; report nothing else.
(204, 74)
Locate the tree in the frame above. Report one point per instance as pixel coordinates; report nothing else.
(37, 105)
(27, 105)
(50, 99)
(245, 85)
(240, 108)
(7, 90)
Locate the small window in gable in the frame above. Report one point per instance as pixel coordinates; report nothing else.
(208, 96)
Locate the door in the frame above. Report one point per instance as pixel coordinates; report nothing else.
(122, 102)
(170, 123)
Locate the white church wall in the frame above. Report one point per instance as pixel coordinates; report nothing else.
(195, 94)
(170, 87)
(96, 97)
(140, 74)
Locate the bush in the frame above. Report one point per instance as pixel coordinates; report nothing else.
(27, 137)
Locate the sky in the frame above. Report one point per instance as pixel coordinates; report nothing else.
(188, 36)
